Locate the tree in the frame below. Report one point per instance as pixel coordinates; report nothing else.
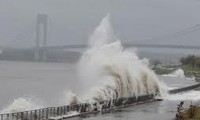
(156, 62)
(183, 61)
(189, 60)
(197, 61)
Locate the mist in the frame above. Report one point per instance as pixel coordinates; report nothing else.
(61, 52)
(72, 21)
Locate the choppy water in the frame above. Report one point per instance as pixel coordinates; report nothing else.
(107, 67)
(47, 83)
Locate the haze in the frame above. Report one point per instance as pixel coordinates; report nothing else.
(72, 21)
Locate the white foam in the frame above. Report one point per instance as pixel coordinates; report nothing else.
(21, 104)
(70, 114)
(108, 71)
(192, 95)
(177, 73)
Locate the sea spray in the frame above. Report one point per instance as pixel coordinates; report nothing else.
(21, 104)
(187, 96)
(177, 73)
(103, 34)
(109, 71)
(71, 98)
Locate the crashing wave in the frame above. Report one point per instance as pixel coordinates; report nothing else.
(177, 73)
(21, 104)
(109, 71)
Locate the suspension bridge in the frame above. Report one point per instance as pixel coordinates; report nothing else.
(39, 52)
(127, 45)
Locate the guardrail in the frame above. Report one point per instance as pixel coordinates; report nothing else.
(79, 109)
(197, 78)
(192, 87)
(68, 111)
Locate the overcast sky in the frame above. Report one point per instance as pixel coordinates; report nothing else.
(72, 21)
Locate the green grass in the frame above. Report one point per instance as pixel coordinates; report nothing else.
(162, 70)
(197, 114)
(190, 70)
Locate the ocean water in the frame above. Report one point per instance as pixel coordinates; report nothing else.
(105, 71)
(46, 84)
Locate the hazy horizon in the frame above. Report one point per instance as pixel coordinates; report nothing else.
(72, 21)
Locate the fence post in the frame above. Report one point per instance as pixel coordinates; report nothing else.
(64, 109)
(47, 113)
(57, 111)
(12, 116)
(68, 108)
(7, 116)
(35, 115)
(17, 116)
(42, 113)
(27, 115)
(51, 111)
(54, 111)
(39, 114)
(22, 115)
(109, 103)
(31, 115)
(62, 113)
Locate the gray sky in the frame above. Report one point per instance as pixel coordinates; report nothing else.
(72, 21)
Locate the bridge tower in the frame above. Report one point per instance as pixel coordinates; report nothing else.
(41, 38)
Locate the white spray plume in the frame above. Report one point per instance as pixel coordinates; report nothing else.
(103, 34)
(21, 104)
(71, 98)
(109, 71)
(177, 73)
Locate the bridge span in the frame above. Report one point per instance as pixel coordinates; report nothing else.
(127, 45)
(42, 53)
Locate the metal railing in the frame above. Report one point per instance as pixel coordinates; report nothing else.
(192, 87)
(83, 108)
